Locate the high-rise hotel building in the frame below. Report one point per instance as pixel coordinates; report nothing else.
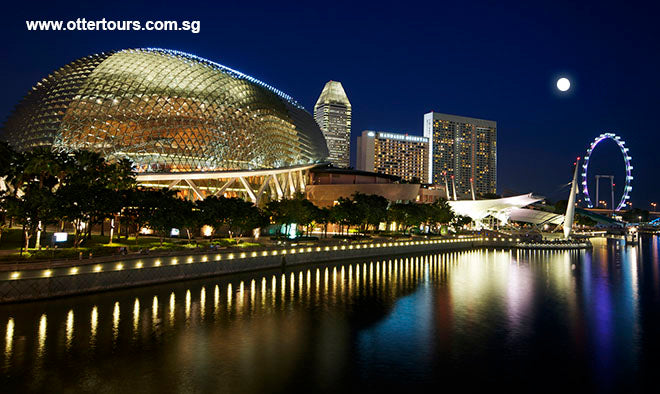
(333, 114)
(402, 155)
(462, 147)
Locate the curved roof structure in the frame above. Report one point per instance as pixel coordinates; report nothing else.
(535, 216)
(166, 111)
(500, 208)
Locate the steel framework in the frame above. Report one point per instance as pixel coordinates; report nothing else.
(253, 185)
(165, 111)
(627, 188)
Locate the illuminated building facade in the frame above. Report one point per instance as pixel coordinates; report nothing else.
(333, 114)
(167, 112)
(402, 155)
(463, 148)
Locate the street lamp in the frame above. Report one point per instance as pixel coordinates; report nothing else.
(654, 206)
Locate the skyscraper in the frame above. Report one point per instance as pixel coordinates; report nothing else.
(333, 114)
(403, 155)
(463, 148)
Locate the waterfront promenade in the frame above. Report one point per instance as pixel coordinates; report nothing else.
(31, 281)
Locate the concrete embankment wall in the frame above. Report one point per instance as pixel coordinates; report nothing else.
(26, 283)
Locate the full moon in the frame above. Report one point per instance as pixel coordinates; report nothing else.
(563, 84)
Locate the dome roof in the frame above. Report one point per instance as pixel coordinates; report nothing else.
(165, 111)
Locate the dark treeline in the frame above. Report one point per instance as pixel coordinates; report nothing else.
(43, 188)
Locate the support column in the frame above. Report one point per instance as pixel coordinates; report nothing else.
(292, 187)
(194, 188)
(248, 189)
(173, 183)
(278, 187)
(224, 187)
(261, 190)
(301, 181)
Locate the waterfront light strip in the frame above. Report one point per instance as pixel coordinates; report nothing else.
(157, 262)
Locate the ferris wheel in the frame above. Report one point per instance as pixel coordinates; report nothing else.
(627, 188)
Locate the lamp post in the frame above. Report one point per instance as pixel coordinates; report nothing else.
(654, 206)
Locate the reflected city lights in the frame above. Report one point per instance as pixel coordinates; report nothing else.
(42, 335)
(437, 295)
(154, 312)
(115, 322)
(240, 299)
(188, 305)
(9, 338)
(202, 303)
(172, 308)
(69, 329)
(216, 301)
(136, 316)
(93, 323)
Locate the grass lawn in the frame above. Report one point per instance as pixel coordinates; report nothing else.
(11, 242)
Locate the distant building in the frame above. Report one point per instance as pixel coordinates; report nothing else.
(333, 114)
(327, 185)
(463, 148)
(402, 155)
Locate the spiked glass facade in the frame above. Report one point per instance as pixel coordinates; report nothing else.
(166, 111)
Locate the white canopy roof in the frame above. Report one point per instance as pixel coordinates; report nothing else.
(500, 208)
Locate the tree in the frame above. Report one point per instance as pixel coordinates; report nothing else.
(169, 212)
(297, 210)
(121, 180)
(371, 209)
(242, 216)
(92, 190)
(323, 217)
(8, 162)
(406, 215)
(212, 212)
(192, 220)
(439, 213)
(238, 215)
(33, 181)
(140, 207)
(461, 220)
(344, 213)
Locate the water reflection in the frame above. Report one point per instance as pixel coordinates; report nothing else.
(42, 335)
(391, 318)
(202, 303)
(154, 312)
(9, 338)
(115, 322)
(93, 322)
(136, 316)
(69, 329)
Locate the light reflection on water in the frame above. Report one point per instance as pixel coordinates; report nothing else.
(414, 319)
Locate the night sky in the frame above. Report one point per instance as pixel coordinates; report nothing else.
(398, 60)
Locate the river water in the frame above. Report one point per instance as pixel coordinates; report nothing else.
(470, 320)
